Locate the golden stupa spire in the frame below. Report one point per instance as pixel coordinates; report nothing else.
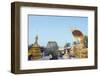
(36, 39)
(36, 42)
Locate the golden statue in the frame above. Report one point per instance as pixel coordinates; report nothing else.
(80, 51)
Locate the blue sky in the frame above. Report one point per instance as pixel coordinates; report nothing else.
(54, 28)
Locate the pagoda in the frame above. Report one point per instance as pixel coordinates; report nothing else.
(34, 52)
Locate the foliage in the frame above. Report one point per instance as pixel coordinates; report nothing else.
(67, 44)
(53, 54)
(86, 41)
(74, 43)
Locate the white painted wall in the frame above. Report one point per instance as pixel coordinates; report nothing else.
(5, 33)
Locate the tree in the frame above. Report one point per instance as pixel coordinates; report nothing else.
(86, 41)
(29, 46)
(67, 44)
(54, 55)
(74, 43)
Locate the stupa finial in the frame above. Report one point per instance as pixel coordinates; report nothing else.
(36, 39)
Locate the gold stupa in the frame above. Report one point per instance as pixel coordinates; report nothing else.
(35, 51)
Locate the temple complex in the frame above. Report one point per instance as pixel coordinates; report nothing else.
(53, 52)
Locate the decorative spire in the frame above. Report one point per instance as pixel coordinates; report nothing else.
(36, 39)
